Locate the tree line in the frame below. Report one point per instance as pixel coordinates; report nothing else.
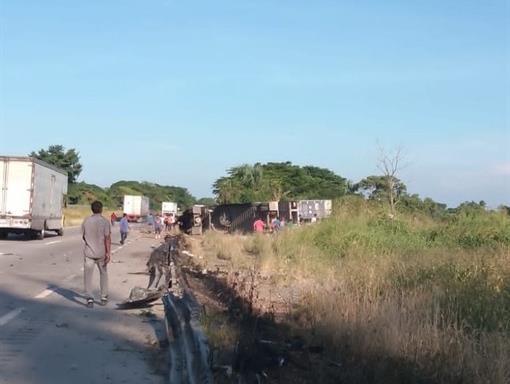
(257, 182)
(112, 196)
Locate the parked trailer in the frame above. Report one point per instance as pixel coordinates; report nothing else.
(32, 197)
(136, 207)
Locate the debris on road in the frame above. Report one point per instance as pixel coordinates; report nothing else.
(139, 298)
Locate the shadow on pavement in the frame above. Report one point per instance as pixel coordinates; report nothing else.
(69, 295)
(50, 343)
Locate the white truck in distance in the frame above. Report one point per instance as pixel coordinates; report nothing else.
(168, 208)
(136, 207)
(32, 197)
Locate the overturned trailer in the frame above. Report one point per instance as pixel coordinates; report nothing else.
(195, 220)
(301, 210)
(238, 217)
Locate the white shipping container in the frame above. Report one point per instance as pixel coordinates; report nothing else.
(168, 207)
(136, 207)
(32, 196)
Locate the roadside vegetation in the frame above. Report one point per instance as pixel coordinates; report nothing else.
(420, 297)
(74, 215)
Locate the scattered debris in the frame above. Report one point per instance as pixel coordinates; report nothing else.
(147, 313)
(139, 298)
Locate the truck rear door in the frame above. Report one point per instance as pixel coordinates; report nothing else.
(16, 182)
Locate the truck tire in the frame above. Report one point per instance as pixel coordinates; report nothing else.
(4, 234)
(60, 232)
(40, 234)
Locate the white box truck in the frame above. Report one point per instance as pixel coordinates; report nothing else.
(136, 207)
(32, 197)
(168, 208)
(169, 213)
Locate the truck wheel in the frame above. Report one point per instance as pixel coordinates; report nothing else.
(40, 234)
(4, 234)
(60, 232)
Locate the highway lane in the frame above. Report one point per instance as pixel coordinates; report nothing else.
(45, 329)
(29, 267)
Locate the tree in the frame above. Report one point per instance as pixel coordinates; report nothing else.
(278, 181)
(67, 160)
(209, 201)
(390, 164)
(377, 188)
(155, 192)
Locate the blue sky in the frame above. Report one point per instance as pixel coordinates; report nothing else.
(177, 92)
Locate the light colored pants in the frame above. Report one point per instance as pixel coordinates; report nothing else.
(88, 271)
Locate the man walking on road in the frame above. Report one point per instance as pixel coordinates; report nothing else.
(124, 228)
(97, 237)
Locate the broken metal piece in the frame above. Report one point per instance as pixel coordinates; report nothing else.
(139, 298)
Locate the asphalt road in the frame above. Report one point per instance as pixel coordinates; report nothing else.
(47, 335)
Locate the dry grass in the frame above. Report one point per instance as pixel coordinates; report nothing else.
(411, 300)
(75, 214)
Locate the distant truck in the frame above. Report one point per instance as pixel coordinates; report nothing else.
(168, 208)
(136, 207)
(32, 197)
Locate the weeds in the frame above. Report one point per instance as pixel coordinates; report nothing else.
(430, 295)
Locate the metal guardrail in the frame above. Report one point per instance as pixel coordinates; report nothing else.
(189, 349)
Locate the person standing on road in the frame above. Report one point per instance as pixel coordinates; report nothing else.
(172, 221)
(113, 218)
(158, 224)
(150, 221)
(96, 234)
(124, 228)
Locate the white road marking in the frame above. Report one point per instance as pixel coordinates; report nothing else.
(69, 278)
(44, 294)
(117, 249)
(49, 291)
(53, 242)
(11, 315)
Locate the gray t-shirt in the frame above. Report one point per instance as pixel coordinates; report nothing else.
(94, 229)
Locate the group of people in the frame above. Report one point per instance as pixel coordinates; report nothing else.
(275, 225)
(158, 222)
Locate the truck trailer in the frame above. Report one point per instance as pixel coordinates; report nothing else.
(32, 197)
(136, 207)
(168, 208)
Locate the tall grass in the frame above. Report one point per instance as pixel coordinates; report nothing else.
(430, 297)
(75, 214)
